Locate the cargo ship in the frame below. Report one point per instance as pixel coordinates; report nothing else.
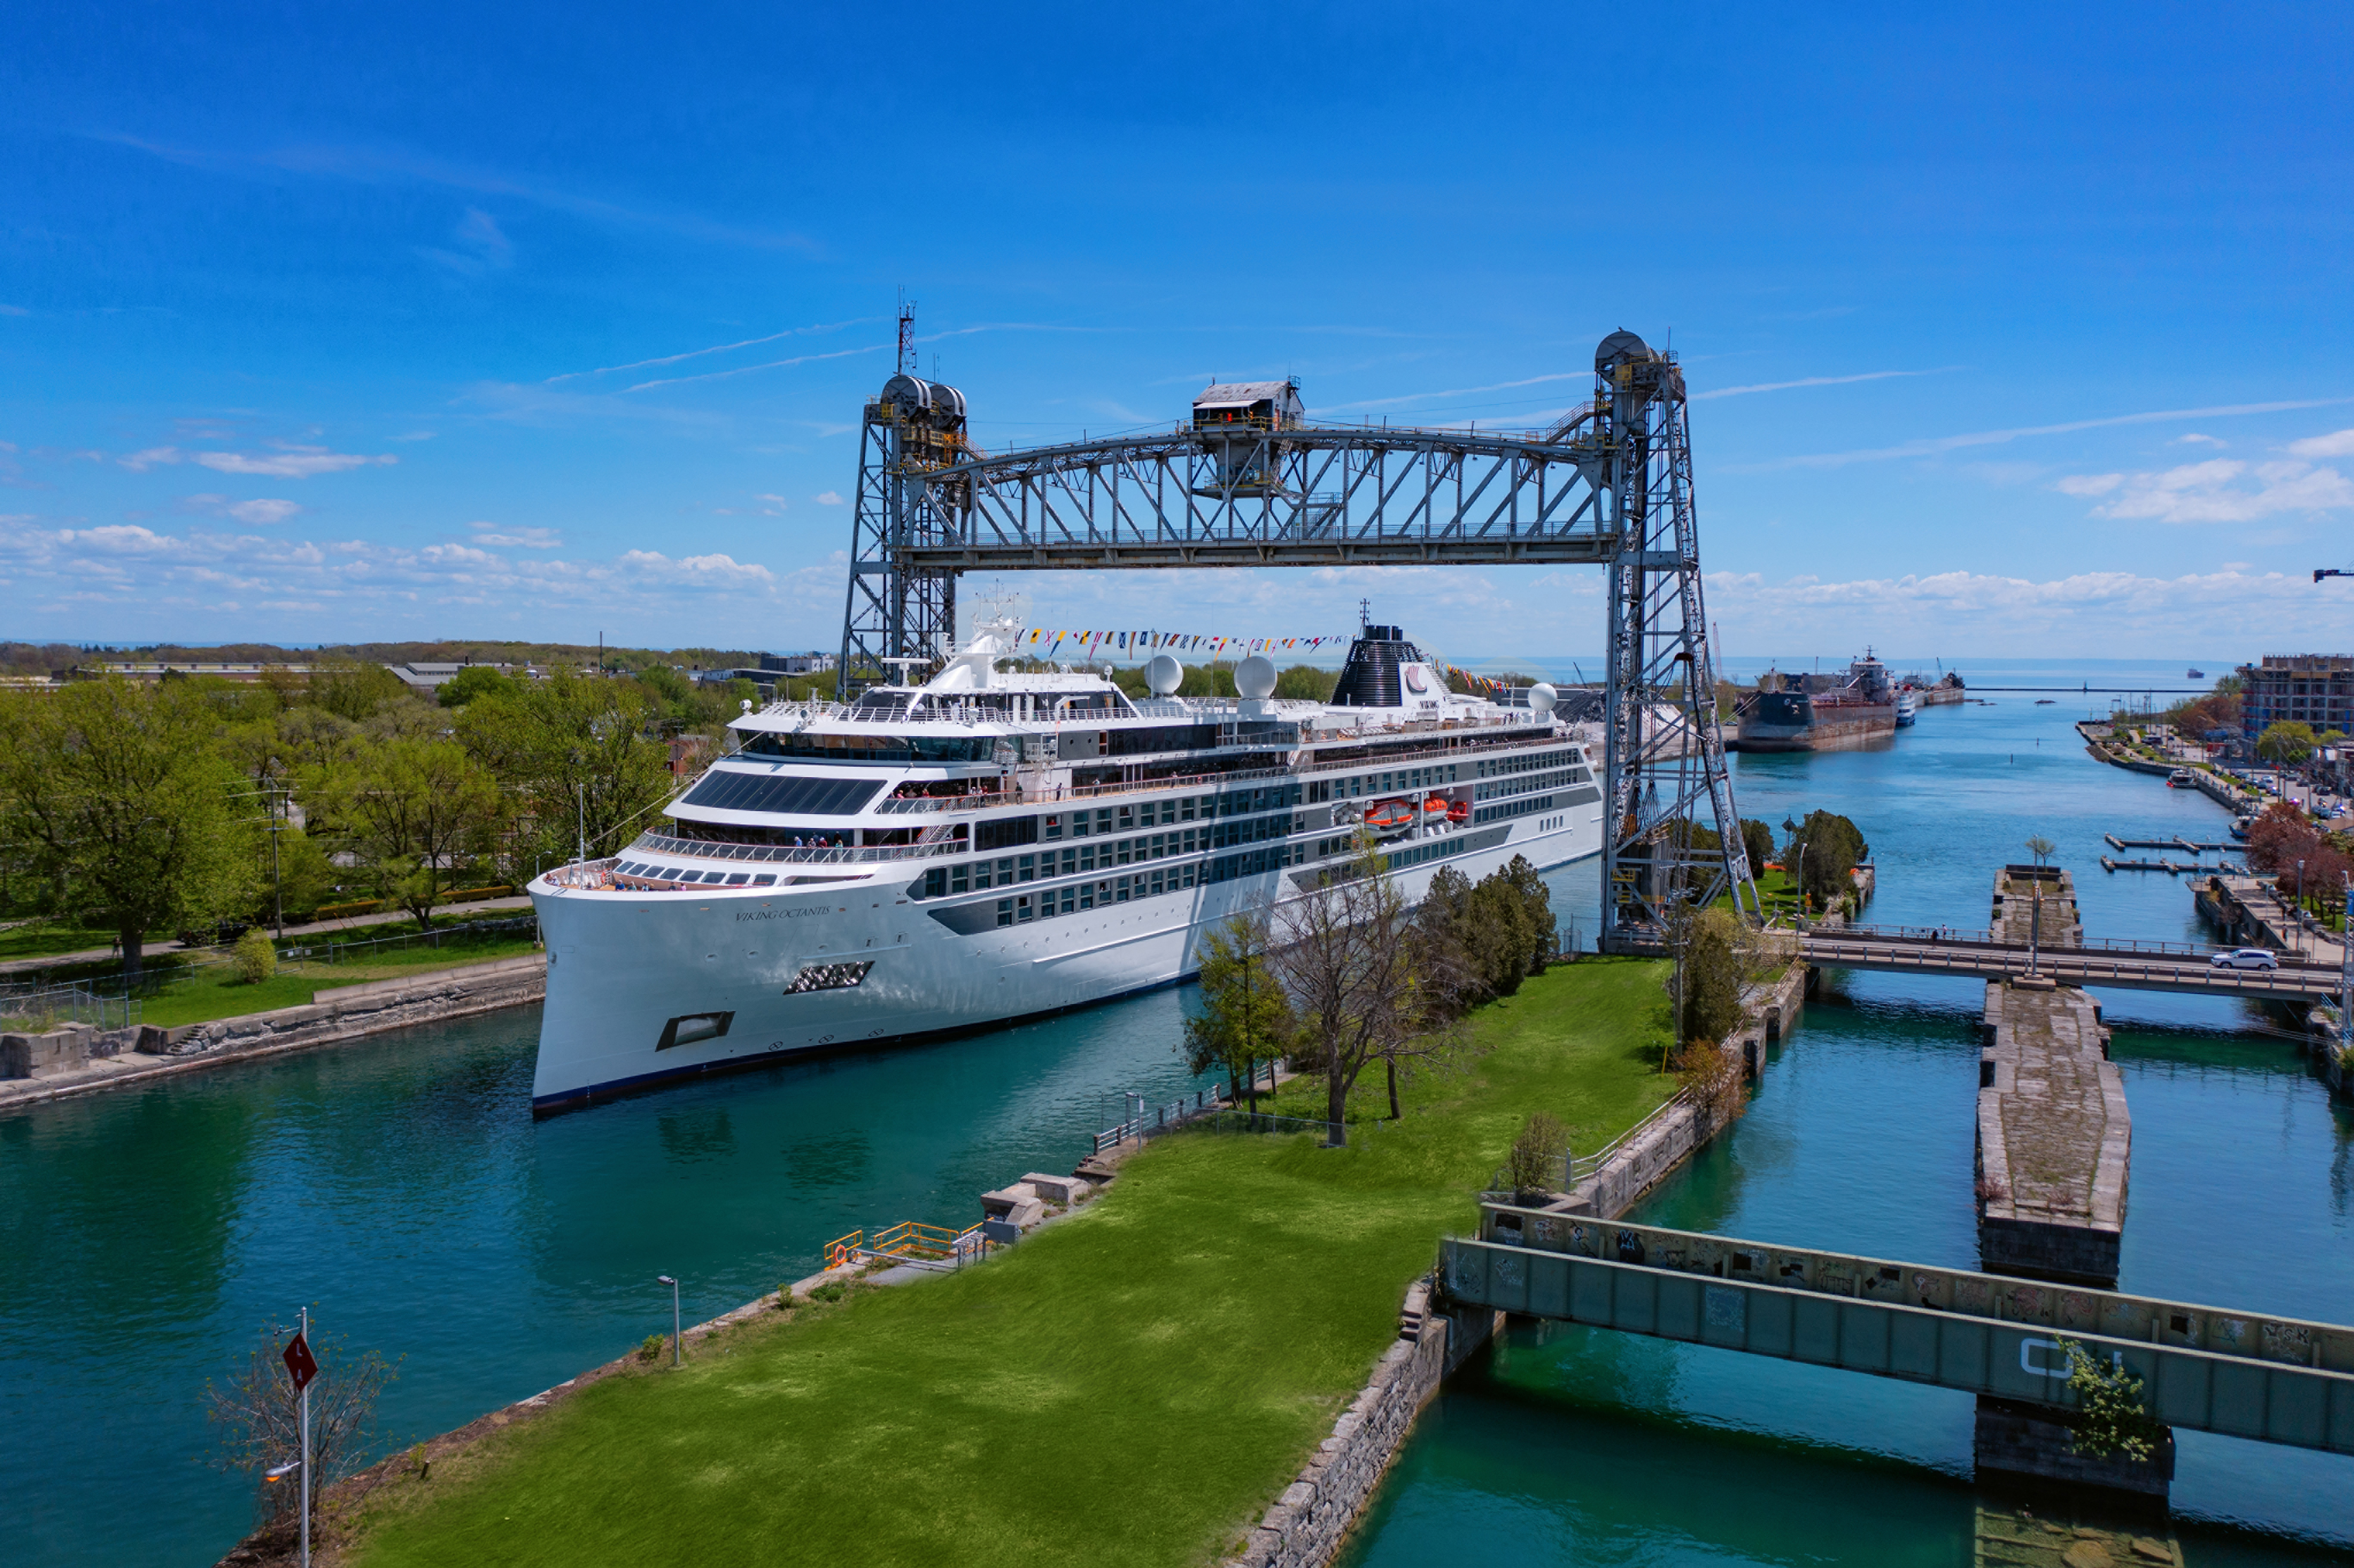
(1818, 713)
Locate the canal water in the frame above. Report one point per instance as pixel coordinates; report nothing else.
(1571, 1444)
(401, 1188)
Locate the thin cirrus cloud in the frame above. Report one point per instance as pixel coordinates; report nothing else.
(287, 463)
(516, 539)
(715, 348)
(1932, 446)
(1819, 381)
(261, 513)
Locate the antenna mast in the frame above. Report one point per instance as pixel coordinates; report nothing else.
(906, 334)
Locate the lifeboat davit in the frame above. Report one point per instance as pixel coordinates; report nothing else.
(1384, 815)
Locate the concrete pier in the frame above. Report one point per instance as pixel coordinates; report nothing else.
(2055, 1146)
(2054, 1138)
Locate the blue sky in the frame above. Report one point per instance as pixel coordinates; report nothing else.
(2012, 333)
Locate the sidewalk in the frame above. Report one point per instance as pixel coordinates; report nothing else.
(317, 928)
(2316, 945)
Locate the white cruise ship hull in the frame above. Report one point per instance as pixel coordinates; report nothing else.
(650, 986)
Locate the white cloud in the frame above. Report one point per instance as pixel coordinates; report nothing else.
(1818, 381)
(140, 461)
(2220, 490)
(1934, 446)
(484, 247)
(775, 506)
(289, 463)
(827, 498)
(262, 512)
(2339, 443)
(2195, 440)
(709, 571)
(515, 538)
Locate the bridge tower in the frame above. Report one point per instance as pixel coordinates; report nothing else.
(1663, 754)
(897, 611)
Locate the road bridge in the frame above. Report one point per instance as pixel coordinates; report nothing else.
(2131, 966)
(2245, 1375)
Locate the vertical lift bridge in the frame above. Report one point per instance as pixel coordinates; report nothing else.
(1249, 481)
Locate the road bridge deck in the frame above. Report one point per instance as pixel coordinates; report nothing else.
(2243, 1373)
(1972, 956)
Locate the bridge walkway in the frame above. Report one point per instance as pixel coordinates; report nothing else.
(1972, 955)
(2245, 1375)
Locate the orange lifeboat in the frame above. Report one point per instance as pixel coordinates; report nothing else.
(1458, 811)
(1436, 806)
(1384, 815)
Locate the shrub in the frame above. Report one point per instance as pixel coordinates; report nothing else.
(255, 956)
(831, 1290)
(1536, 1154)
(652, 1347)
(2111, 1417)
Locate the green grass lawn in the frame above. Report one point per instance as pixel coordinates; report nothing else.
(199, 994)
(39, 938)
(1132, 1386)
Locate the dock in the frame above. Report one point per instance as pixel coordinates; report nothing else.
(2186, 845)
(2172, 867)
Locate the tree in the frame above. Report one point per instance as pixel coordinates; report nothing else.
(2285, 742)
(1535, 1155)
(411, 809)
(1823, 852)
(2281, 836)
(1709, 972)
(474, 681)
(1346, 955)
(352, 690)
(257, 1418)
(1454, 980)
(1245, 1017)
(577, 760)
(1758, 838)
(117, 795)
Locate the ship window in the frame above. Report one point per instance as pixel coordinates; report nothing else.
(1079, 820)
(1103, 820)
(1126, 848)
(958, 878)
(1005, 912)
(1086, 896)
(1070, 900)
(980, 874)
(1120, 891)
(1022, 908)
(739, 878)
(1054, 826)
(1168, 812)
(935, 883)
(1087, 857)
(764, 880)
(1006, 832)
(1127, 818)
(729, 791)
(1070, 861)
(1029, 868)
(1185, 809)
(1004, 874)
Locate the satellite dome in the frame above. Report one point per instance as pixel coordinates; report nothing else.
(1620, 345)
(1255, 676)
(1542, 698)
(1164, 674)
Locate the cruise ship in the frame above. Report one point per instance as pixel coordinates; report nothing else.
(996, 844)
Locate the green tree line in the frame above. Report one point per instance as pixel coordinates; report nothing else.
(154, 809)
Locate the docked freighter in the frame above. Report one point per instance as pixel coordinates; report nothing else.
(1815, 713)
(992, 845)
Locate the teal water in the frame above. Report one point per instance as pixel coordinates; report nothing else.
(1570, 1444)
(402, 1190)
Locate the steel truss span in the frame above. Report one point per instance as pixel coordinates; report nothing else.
(1609, 486)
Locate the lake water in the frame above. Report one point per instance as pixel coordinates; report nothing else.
(401, 1188)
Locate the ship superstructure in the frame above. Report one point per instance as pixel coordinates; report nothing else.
(992, 845)
(1817, 713)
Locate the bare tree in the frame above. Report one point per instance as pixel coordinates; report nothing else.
(256, 1415)
(1346, 952)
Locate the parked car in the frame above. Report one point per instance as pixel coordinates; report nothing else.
(2246, 959)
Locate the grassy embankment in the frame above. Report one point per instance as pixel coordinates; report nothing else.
(1129, 1387)
(200, 993)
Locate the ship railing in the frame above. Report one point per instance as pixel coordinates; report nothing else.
(791, 854)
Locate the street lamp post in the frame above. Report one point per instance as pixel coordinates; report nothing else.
(666, 1279)
(2300, 909)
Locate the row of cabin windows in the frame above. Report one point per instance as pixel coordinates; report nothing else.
(1523, 807)
(1501, 766)
(1541, 781)
(1076, 860)
(1079, 897)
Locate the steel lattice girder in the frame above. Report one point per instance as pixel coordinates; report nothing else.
(893, 611)
(1303, 497)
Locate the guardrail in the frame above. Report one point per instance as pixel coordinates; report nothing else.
(336, 952)
(912, 1242)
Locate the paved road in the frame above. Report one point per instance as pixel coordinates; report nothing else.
(316, 928)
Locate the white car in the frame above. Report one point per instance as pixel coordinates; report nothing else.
(2246, 959)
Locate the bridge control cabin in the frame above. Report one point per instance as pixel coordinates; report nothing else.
(1250, 405)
